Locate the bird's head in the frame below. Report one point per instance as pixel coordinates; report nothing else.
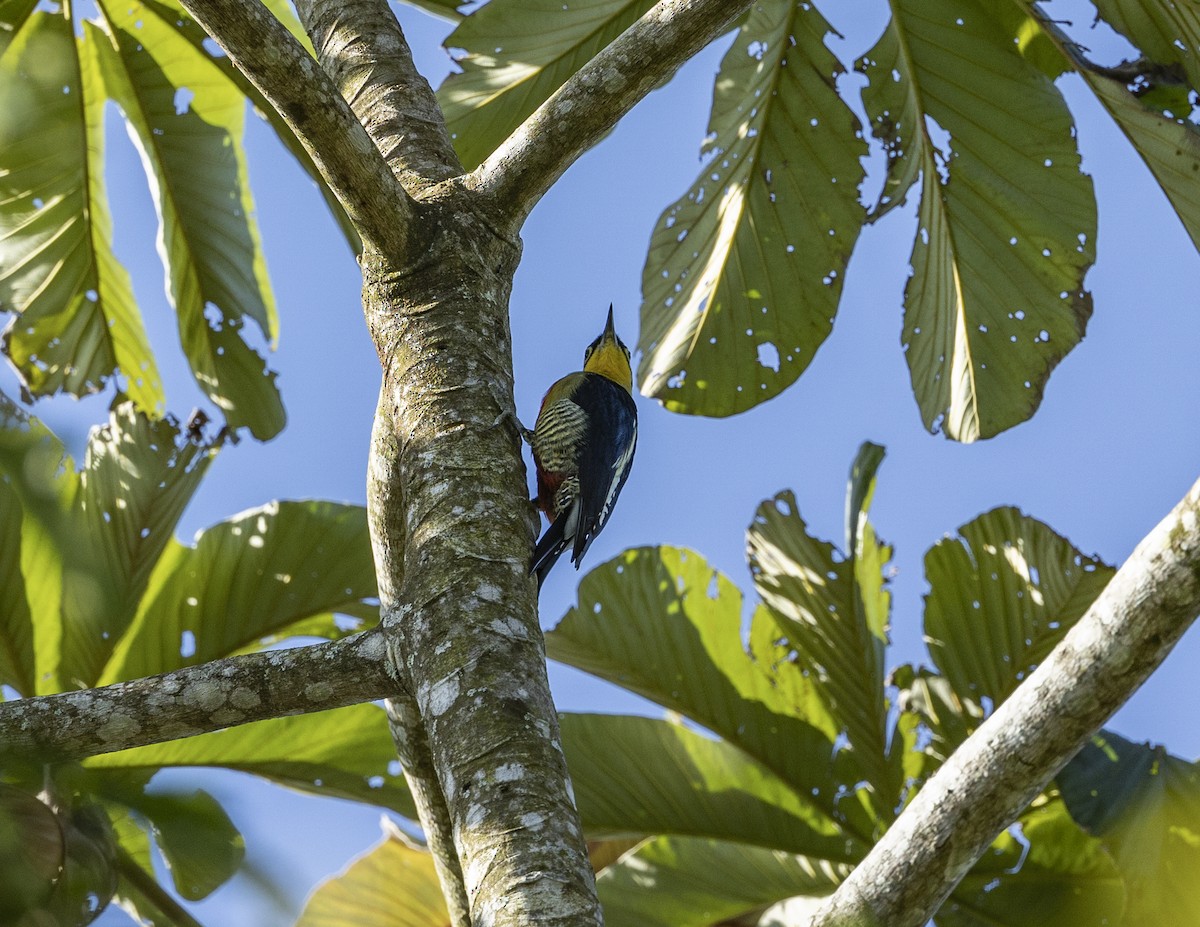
(609, 357)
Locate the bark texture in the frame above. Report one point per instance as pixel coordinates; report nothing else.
(586, 107)
(993, 776)
(309, 102)
(196, 700)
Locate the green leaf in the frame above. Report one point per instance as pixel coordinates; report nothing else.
(394, 884)
(1002, 595)
(248, 578)
(87, 543)
(949, 718)
(637, 775)
(833, 610)
(516, 54)
(343, 753)
(688, 882)
(199, 842)
(137, 478)
(1145, 805)
(1006, 229)
(1170, 146)
(187, 120)
(35, 466)
(661, 622)
(1052, 875)
(174, 17)
(16, 623)
(32, 853)
(446, 9)
(1166, 32)
(745, 270)
(76, 321)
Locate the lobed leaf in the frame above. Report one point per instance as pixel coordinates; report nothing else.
(516, 53)
(744, 271)
(1007, 219)
(394, 884)
(251, 577)
(75, 322)
(1002, 595)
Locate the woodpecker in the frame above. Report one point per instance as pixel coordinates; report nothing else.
(583, 445)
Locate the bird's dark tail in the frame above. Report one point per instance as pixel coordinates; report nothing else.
(549, 548)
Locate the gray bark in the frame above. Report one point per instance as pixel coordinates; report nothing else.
(309, 102)
(586, 107)
(1004, 765)
(195, 700)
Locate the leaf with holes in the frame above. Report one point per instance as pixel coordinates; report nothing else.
(516, 54)
(744, 272)
(659, 621)
(833, 610)
(75, 321)
(1002, 595)
(394, 884)
(1169, 144)
(1007, 220)
(87, 542)
(247, 578)
(1166, 32)
(187, 121)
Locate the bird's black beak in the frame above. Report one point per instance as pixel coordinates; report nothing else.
(610, 330)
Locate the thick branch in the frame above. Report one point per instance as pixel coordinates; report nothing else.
(587, 106)
(289, 78)
(361, 46)
(992, 777)
(196, 700)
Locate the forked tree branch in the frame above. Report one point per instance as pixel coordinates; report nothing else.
(998, 771)
(196, 700)
(362, 47)
(584, 109)
(292, 81)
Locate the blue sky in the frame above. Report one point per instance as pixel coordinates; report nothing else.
(1112, 449)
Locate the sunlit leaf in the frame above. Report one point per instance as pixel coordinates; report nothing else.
(1043, 871)
(248, 578)
(76, 321)
(343, 753)
(833, 610)
(1002, 595)
(187, 121)
(662, 623)
(516, 54)
(745, 270)
(636, 775)
(173, 15)
(394, 884)
(688, 882)
(16, 623)
(1144, 804)
(1007, 221)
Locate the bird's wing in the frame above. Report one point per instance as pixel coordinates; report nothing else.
(605, 458)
